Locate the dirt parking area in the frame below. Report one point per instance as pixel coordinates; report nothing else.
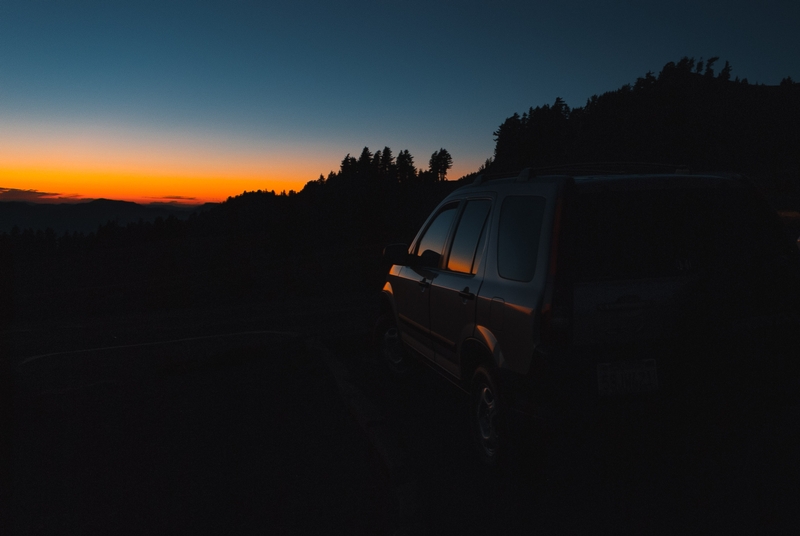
(236, 435)
(237, 421)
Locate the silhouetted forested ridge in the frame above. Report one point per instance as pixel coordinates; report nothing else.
(686, 115)
(328, 237)
(255, 246)
(83, 217)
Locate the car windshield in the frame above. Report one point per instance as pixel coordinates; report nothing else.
(656, 233)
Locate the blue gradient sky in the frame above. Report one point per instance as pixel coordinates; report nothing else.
(157, 96)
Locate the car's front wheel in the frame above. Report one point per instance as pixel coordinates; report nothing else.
(392, 352)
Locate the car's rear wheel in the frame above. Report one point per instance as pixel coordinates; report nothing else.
(487, 419)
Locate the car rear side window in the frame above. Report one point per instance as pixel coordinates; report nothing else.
(518, 236)
(468, 233)
(431, 245)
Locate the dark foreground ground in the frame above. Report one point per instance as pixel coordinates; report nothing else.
(243, 421)
(235, 434)
(622, 480)
(252, 438)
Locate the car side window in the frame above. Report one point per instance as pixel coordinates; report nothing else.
(431, 246)
(518, 236)
(467, 236)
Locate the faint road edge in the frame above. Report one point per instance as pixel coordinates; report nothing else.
(382, 437)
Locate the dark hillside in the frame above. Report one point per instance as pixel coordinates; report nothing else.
(82, 217)
(255, 247)
(686, 115)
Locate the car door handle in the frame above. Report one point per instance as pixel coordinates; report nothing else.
(424, 283)
(466, 294)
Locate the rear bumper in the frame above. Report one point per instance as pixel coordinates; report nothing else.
(734, 374)
(561, 394)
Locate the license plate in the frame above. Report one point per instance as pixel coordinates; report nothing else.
(627, 377)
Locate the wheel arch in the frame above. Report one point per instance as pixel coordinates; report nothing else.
(386, 309)
(474, 353)
(386, 301)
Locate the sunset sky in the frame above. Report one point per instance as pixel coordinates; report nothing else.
(197, 101)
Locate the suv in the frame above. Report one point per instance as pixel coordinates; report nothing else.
(551, 299)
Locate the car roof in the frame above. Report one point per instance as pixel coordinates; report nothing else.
(663, 181)
(612, 182)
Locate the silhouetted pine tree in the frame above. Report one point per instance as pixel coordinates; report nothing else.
(439, 163)
(406, 172)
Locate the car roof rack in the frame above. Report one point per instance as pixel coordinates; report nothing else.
(483, 177)
(586, 168)
(612, 168)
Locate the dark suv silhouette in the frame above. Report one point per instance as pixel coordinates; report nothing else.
(553, 298)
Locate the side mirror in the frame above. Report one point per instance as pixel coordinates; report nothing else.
(396, 254)
(429, 259)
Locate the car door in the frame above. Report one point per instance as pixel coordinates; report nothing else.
(515, 274)
(453, 291)
(413, 282)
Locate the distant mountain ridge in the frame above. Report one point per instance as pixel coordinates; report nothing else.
(85, 217)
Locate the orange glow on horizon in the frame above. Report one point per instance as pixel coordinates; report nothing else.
(74, 185)
(91, 161)
(66, 185)
(70, 162)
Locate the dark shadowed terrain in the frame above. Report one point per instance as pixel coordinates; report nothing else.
(230, 421)
(633, 475)
(84, 217)
(248, 432)
(235, 433)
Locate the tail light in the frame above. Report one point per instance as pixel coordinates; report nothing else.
(556, 324)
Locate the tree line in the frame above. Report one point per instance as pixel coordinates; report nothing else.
(383, 168)
(258, 245)
(687, 115)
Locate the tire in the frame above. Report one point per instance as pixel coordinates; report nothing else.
(391, 350)
(487, 420)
